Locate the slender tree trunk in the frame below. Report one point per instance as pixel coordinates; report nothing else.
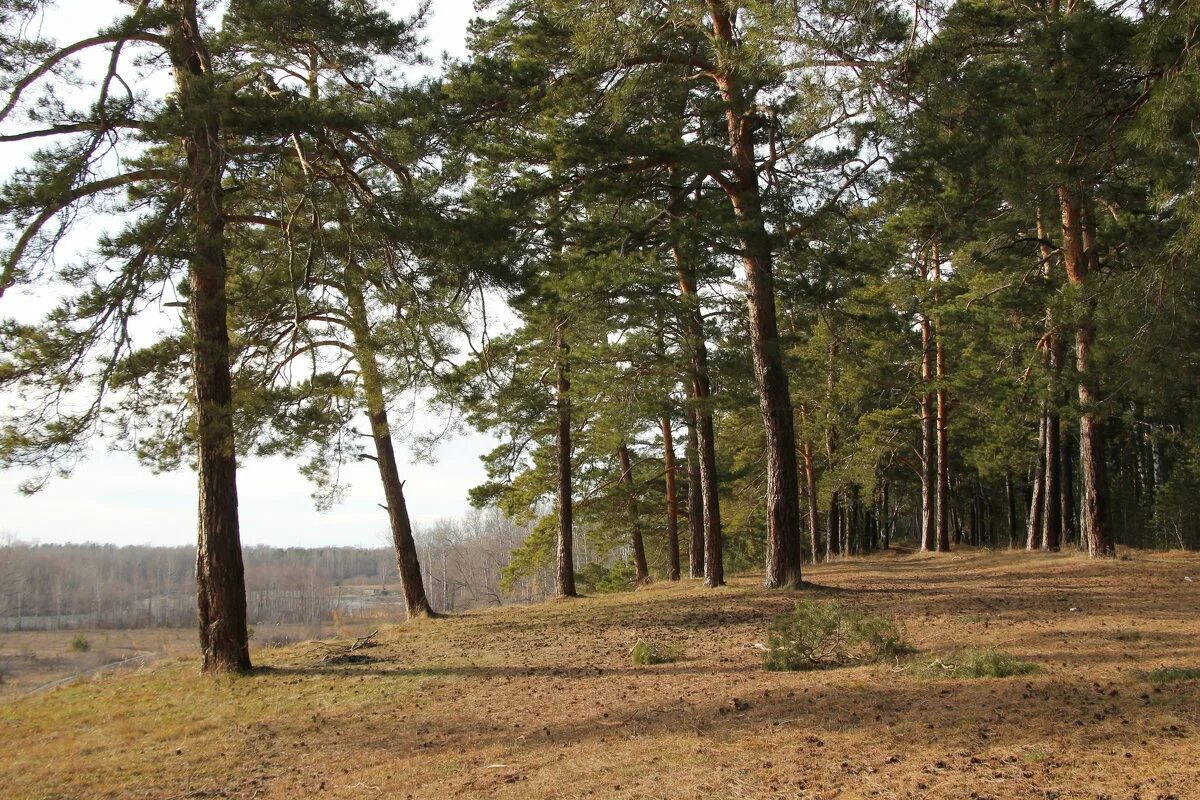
(810, 482)
(1011, 496)
(712, 560)
(928, 532)
(833, 536)
(642, 570)
(411, 583)
(672, 500)
(1081, 257)
(886, 519)
(943, 413)
(1067, 488)
(220, 574)
(742, 188)
(1052, 515)
(1033, 528)
(565, 566)
(695, 501)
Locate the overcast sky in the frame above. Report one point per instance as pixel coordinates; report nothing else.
(111, 498)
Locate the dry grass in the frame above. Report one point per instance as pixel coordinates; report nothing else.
(542, 702)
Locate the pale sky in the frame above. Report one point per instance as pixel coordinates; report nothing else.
(111, 498)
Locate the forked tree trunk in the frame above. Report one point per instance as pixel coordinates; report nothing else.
(564, 575)
(1081, 257)
(742, 188)
(641, 569)
(412, 585)
(220, 574)
(695, 501)
(672, 497)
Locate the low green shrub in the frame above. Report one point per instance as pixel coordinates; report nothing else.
(816, 635)
(645, 653)
(1171, 674)
(80, 644)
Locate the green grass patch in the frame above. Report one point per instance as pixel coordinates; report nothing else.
(646, 653)
(1171, 675)
(974, 664)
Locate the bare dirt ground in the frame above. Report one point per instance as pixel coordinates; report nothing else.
(543, 702)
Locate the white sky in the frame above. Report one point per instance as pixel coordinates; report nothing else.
(111, 498)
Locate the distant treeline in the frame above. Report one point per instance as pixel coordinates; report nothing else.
(51, 586)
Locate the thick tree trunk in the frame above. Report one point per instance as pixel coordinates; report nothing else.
(1033, 527)
(565, 562)
(641, 569)
(411, 583)
(783, 490)
(1081, 257)
(220, 574)
(695, 501)
(672, 498)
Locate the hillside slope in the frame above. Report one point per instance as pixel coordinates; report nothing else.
(543, 702)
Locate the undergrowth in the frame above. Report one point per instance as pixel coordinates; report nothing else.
(816, 635)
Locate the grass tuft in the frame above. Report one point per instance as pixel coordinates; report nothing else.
(646, 653)
(1171, 675)
(974, 664)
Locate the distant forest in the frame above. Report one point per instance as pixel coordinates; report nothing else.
(53, 586)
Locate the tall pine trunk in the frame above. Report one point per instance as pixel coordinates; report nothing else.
(943, 412)
(928, 531)
(565, 562)
(1080, 257)
(742, 188)
(220, 574)
(710, 559)
(412, 585)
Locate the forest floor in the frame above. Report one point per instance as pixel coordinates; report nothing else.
(543, 702)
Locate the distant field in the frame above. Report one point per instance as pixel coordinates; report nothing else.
(34, 660)
(543, 702)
